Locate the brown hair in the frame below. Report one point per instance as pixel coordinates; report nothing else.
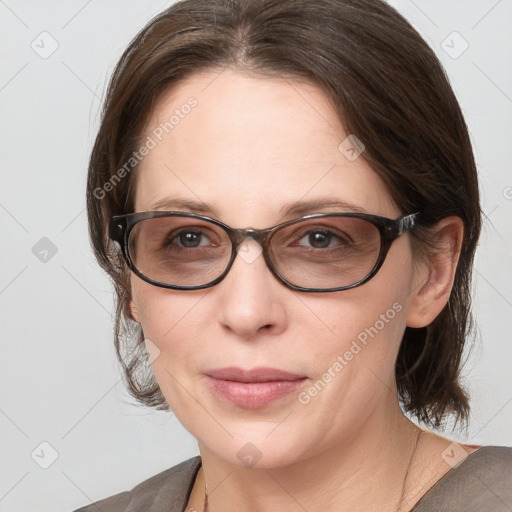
(388, 88)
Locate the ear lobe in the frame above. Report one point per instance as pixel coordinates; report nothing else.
(436, 275)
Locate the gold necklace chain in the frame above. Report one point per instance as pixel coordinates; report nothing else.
(399, 506)
(420, 432)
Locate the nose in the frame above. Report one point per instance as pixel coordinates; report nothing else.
(252, 299)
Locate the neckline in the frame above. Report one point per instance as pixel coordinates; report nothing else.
(438, 484)
(442, 481)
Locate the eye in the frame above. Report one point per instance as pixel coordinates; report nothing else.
(321, 239)
(188, 238)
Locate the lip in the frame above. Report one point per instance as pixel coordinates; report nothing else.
(253, 388)
(259, 374)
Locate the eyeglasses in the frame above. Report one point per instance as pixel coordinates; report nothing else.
(323, 252)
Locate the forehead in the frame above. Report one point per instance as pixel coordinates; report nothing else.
(247, 145)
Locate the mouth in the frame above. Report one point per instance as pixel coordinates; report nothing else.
(253, 388)
(259, 374)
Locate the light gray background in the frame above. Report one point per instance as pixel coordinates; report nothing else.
(60, 382)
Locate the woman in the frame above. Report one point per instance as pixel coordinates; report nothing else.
(285, 196)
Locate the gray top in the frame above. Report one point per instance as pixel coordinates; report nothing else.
(482, 482)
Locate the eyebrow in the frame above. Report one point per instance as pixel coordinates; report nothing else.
(171, 203)
(296, 208)
(305, 207)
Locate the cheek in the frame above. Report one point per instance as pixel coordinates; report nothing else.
(176, 330)
(355, 336)
(170, 321)
(354, 368)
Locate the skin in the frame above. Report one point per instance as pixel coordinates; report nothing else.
(250, 147)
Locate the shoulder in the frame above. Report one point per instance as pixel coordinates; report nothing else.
(167, 491)
(482, 482)
(492, 457)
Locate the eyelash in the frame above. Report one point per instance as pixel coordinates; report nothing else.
(296, 236)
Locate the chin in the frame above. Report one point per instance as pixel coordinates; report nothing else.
(258, 449)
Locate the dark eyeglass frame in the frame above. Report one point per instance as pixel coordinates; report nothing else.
(120, 227)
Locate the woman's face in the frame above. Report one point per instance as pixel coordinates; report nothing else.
(248, 149)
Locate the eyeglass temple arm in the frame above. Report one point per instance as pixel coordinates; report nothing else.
(406, 222)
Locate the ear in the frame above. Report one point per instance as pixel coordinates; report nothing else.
(435, 276)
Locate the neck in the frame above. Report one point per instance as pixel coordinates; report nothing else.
(364, 472)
